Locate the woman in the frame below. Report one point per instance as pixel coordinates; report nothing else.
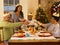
(17, 14)
(53, 26)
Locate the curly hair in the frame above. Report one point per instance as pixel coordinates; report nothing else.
(56, 18)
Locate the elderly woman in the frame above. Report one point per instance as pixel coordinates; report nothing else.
(8, 27)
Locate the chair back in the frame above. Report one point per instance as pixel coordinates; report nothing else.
(1, 34)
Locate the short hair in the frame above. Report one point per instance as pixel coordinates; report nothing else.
(56, 18)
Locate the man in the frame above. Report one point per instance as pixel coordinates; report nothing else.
(8, 27)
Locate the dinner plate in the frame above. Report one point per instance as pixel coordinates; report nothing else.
(45, 34)
(19, 35)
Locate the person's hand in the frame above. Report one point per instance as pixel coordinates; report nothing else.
(37, 22)
(26, 22)
(22, 20)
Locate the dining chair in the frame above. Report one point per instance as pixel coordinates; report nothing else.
(1, 34)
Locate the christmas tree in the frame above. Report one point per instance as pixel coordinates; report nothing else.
(41, 15)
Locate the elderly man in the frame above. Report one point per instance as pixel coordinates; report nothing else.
(8, 27)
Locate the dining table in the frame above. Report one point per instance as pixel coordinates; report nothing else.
(33, 39)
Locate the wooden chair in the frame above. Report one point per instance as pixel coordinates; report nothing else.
(2, 34)
(2, 37)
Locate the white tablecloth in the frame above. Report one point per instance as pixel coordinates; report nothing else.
(31, 38)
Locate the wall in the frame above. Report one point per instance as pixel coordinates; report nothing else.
(46, 5)
(25, 7)
(32, 6)
(1, 9)
(29, 6)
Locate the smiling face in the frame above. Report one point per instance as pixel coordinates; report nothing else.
(7, 18)
(19, 8)
(52, 20)
(29, 17)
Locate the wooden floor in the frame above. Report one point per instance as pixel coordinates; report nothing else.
(3, 44)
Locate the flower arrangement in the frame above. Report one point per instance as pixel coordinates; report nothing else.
(55, 7)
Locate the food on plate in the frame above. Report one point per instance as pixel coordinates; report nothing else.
(19, 35)
(45, 34)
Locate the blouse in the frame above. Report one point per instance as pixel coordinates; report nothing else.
(54, 28)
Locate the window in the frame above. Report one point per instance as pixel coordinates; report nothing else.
(9, 5)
